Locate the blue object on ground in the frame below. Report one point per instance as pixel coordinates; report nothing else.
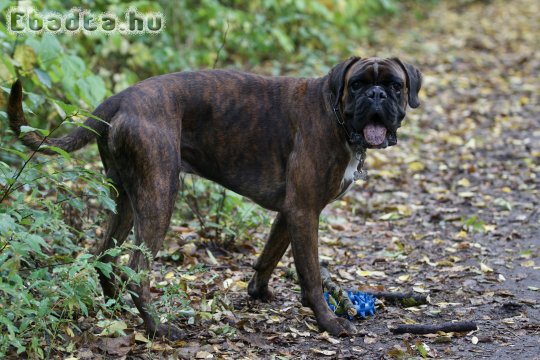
(327, 299)
(363, 302)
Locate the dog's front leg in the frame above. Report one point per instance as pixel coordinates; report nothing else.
(310, 185)
(275, 247)
(303, 227)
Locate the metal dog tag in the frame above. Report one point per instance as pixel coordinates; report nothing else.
(360, 175)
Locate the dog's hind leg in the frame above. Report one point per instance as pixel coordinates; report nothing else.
(118, 227)
(150, 167)
(277, 244)
(153, 205)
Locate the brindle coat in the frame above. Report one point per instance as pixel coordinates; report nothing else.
(273, 139)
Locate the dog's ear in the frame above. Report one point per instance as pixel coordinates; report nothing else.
(414, 82)
(337, 78)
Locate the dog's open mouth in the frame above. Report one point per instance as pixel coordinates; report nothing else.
(374, 133)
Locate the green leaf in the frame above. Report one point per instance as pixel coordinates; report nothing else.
(104, 268)
(390, 216)
(35, 242)
(44, 307)
(72, 66)
(421, 349)
(114, 251)
(43, 77)
(25, 57)
(131, 274)
(95, 117)
(56, 149)
(26, 129)
(84, 257)
(49, 49)
(20, 154)
(92, 89)
(12, 329)
(108, 203)
(7, 70)
(7, 225)
(503, 204)
(83, 125)
(68, 109)
(83, 307)
(283, 39)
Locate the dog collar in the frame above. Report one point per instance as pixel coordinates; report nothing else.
(353, 138)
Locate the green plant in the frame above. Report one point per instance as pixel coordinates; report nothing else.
(46, 277)
(222, 216)
(474, 225)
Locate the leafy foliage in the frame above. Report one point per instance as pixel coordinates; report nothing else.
(44, 283)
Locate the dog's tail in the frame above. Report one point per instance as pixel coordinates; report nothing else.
(75, 140)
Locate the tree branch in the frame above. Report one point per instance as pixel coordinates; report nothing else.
(460, 326)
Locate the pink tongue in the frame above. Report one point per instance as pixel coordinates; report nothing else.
(374, 134)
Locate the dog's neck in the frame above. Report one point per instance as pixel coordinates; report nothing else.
(351, 135)
(350, 138)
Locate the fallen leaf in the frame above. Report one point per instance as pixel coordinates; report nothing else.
(204, 355)
(485, 268)
(118, 346)
(112, 327)
(464, 182)
(323, 352)
(369, 273)
(140, 338)
(327, 337)
(370, 338)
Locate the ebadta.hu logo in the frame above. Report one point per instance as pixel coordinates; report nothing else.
(27, 20)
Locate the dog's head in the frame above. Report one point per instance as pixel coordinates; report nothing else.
(372, 95)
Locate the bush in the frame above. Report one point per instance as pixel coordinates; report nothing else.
(46, 279)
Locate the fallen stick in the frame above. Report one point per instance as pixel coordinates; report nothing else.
(460, 326)
(337, 292)
(406, 299)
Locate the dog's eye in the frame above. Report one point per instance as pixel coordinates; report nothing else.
(397, 87)
(355, 86)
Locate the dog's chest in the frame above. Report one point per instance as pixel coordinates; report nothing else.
(348, 179)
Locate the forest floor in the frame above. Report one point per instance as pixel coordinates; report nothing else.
(450, 212)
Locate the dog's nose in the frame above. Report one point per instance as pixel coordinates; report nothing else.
(376, 93)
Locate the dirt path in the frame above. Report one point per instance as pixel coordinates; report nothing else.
(452, 211)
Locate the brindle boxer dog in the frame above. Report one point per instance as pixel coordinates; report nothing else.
(292, 145)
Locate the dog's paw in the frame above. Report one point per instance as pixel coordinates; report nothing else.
(262, 293)
(167, 331)
(338, 327)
